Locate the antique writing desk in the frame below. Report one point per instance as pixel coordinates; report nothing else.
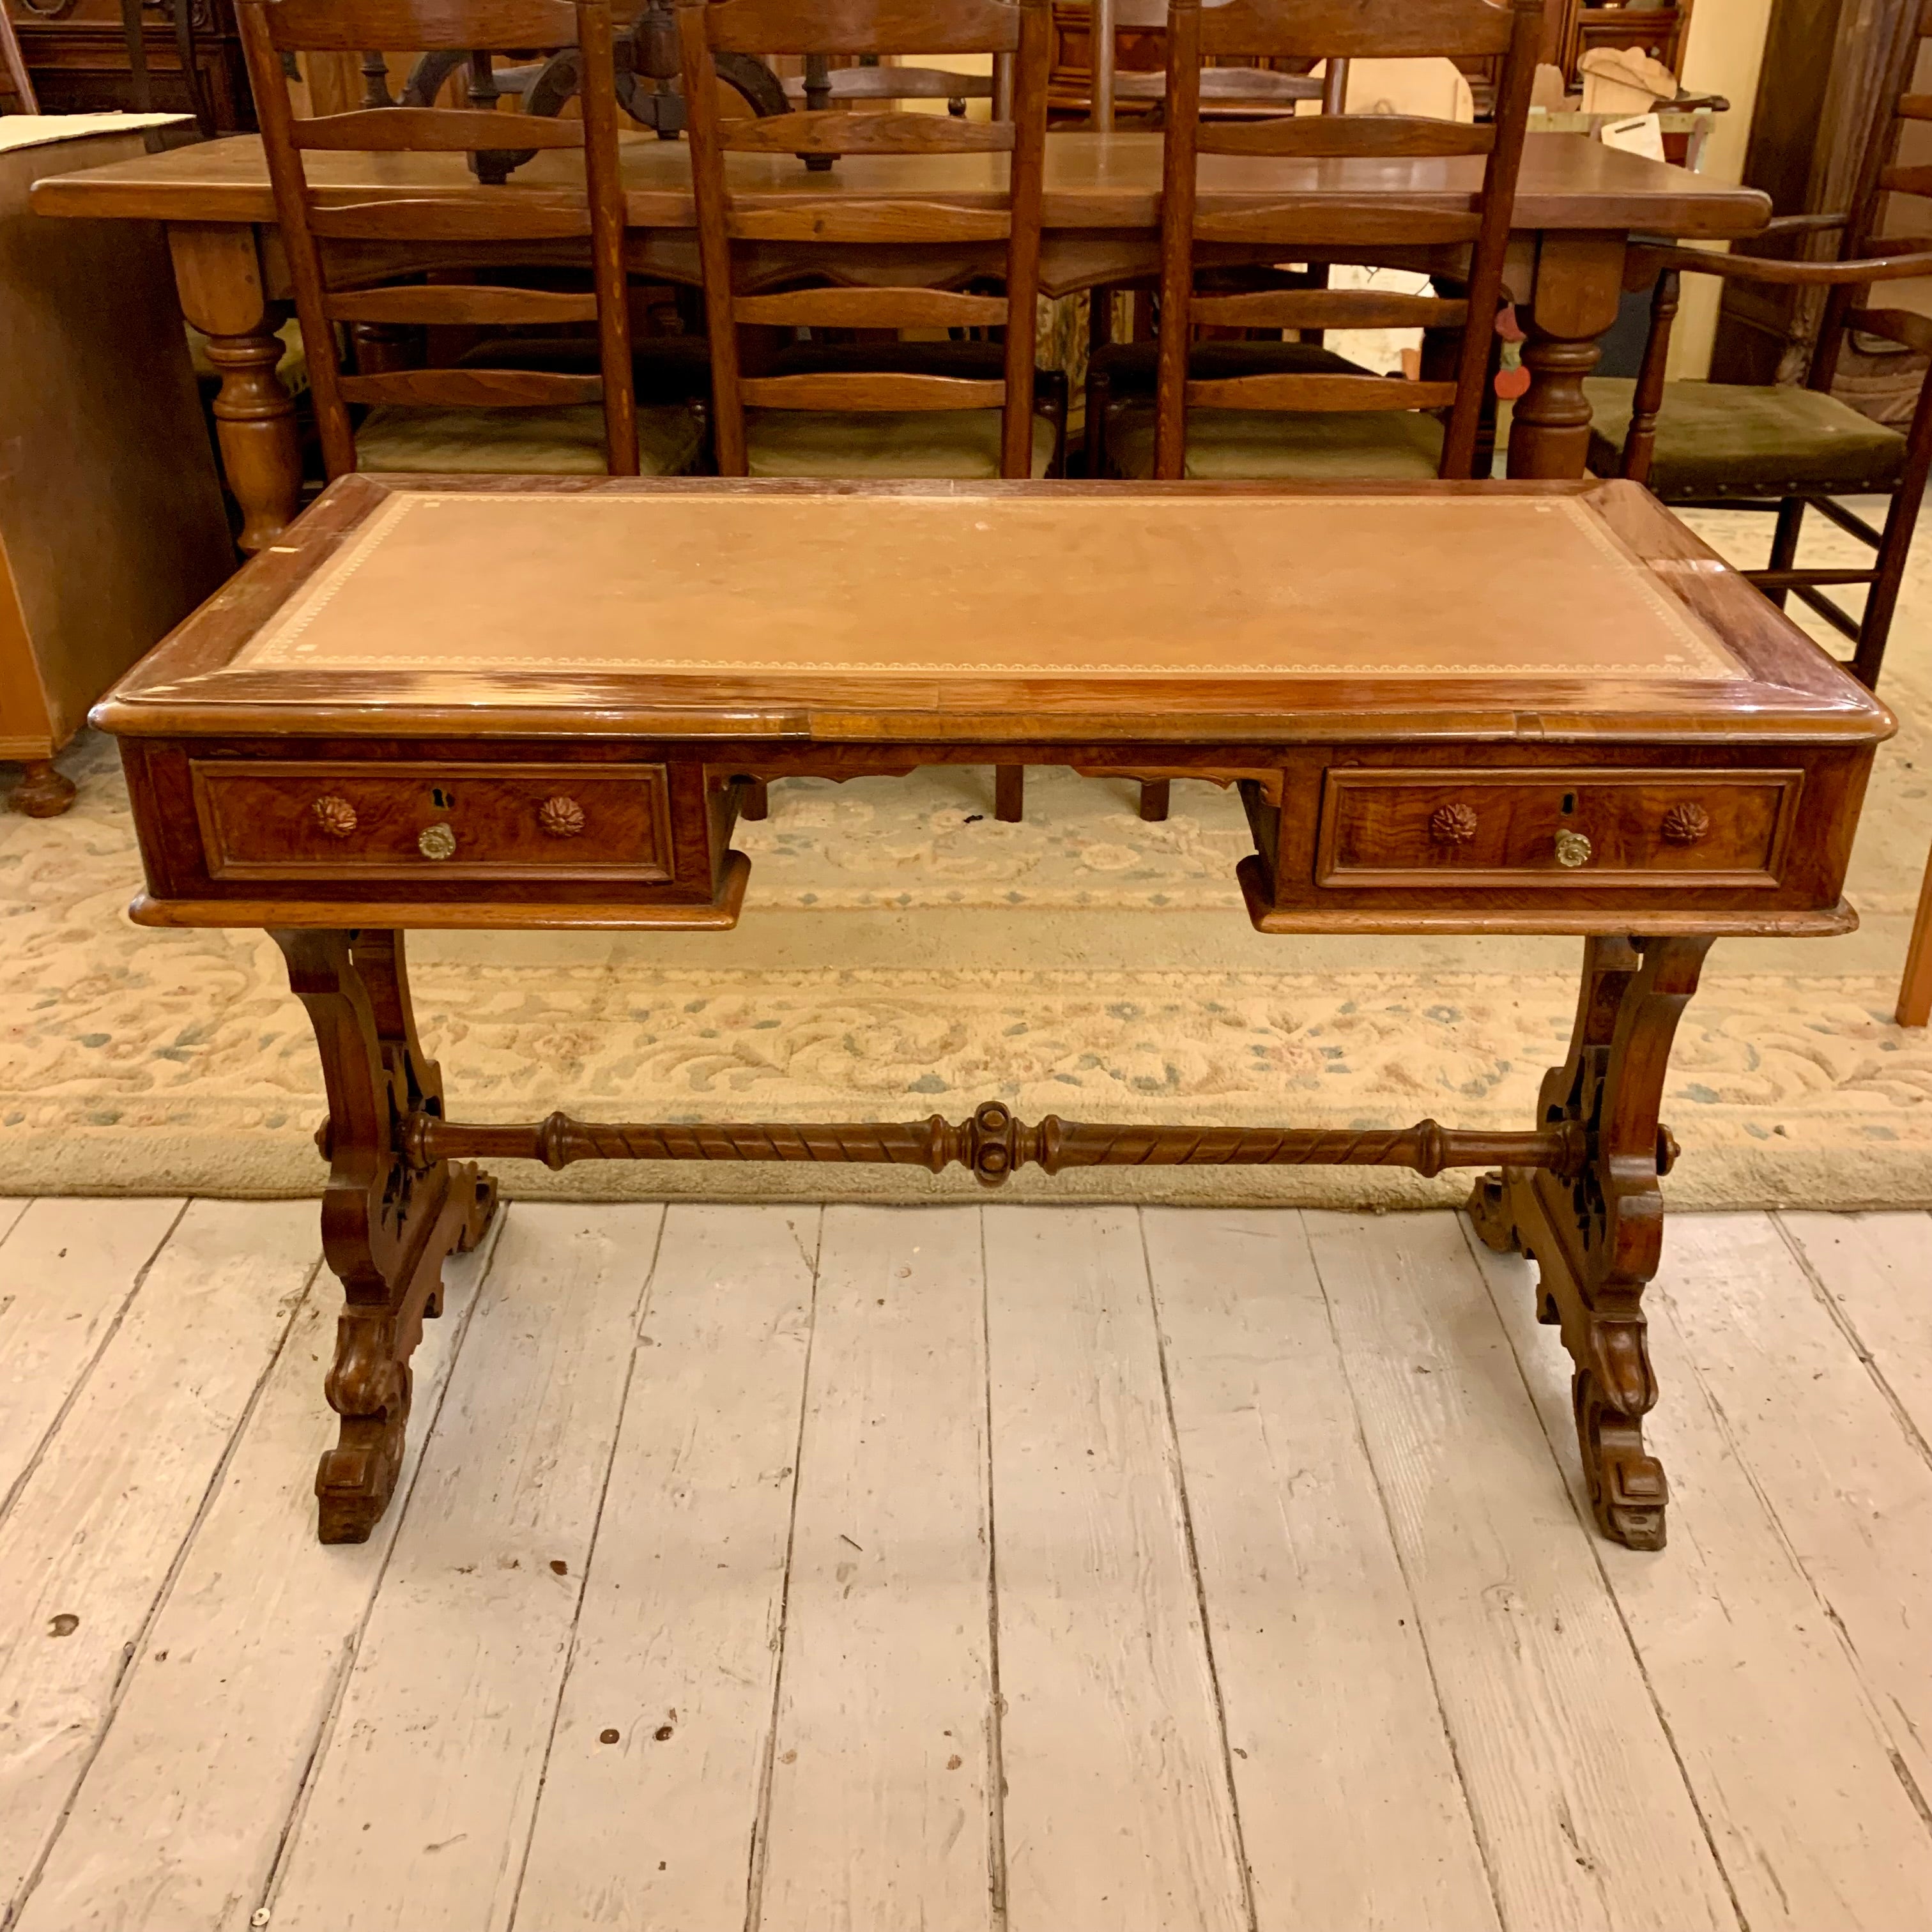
(1576, 202)
(1499, 708)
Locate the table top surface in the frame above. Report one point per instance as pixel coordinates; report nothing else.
(712, 608)
(1093, 181)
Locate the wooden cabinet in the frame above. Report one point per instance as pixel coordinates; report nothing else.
(1572, 29)
(112, 528)
(76, 52)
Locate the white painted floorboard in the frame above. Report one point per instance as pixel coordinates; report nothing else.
(764, 1569)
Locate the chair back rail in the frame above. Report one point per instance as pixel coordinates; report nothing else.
(830, 131)
(1014, 28)
(424, 26)
(864, 26)
(1336, 30)
(1351, 29)
(499, 217)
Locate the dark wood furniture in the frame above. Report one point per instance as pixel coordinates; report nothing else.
(435, 228)
(112, 527)
(1564, 715)
(173, 56)
(1581, 27)
(1833, 73)
(1136, 81)
(805, 241)
(16, 84)
(1577, 203)
(1379, 420)
(1780, 448)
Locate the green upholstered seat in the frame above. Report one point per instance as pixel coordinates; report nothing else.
(1719, 439)
(1227, 445)
(565, 441)
(293, 368)
(961, 444)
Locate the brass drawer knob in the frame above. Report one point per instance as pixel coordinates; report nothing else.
(436, 841)
(561, 817)
(336, 816)
(1686, 824)
(1452, 825)
(1573, 849)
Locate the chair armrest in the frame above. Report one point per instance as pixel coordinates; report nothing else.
(1896, 324)
(1801, 224)
(1650, 260)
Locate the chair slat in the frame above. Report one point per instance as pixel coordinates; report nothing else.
(1344, 29)
(501, 214)
(872, 308)
(473, 388)
(899, 83)
(445, 303)
(1914, 107)
(1328, 308)
(1906, 178)
(1319, 393)
(832, 132)
(870, 390)
(1342, 224)
(434, 130)
(817, 220)
(424, 26)
(867, 26)
(1327, 135)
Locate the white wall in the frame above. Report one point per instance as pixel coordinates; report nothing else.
(1725, 49)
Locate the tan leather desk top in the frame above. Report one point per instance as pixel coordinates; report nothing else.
(962, 586)
(1016, 613)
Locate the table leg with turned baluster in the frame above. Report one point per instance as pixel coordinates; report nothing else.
(218, 275)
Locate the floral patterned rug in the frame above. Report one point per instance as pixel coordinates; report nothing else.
(902, 953)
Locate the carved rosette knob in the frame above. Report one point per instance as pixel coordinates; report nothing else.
(1686, 824)
(436, 841)
(1452, 825)
(561, 817)
(335, 816)
(1573, 849)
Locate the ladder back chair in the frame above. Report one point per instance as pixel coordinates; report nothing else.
(502, 419)
(839, 420)
(1328, 424)
(1784, 448)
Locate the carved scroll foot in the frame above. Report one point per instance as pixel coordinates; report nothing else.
(1626, 1485)
(1596, 1233)
(1488, 1210)
(388, 1221)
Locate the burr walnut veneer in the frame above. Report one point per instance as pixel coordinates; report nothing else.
(1477, 708)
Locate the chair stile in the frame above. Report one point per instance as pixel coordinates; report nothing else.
(522, 215)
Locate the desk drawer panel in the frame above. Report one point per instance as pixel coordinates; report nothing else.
(445, 821)
(1557, 828)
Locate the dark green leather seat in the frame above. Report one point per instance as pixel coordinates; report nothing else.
(1716, 440)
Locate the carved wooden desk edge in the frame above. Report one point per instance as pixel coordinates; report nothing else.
(1714, 815)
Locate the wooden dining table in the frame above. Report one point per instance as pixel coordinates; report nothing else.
(1578, 202)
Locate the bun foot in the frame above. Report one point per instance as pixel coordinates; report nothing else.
(42, 792)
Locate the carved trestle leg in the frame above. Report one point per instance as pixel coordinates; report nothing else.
(386, 1224)
(1597, 1238)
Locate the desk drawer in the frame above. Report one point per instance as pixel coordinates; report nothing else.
(352, 821)
(1556, 829)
